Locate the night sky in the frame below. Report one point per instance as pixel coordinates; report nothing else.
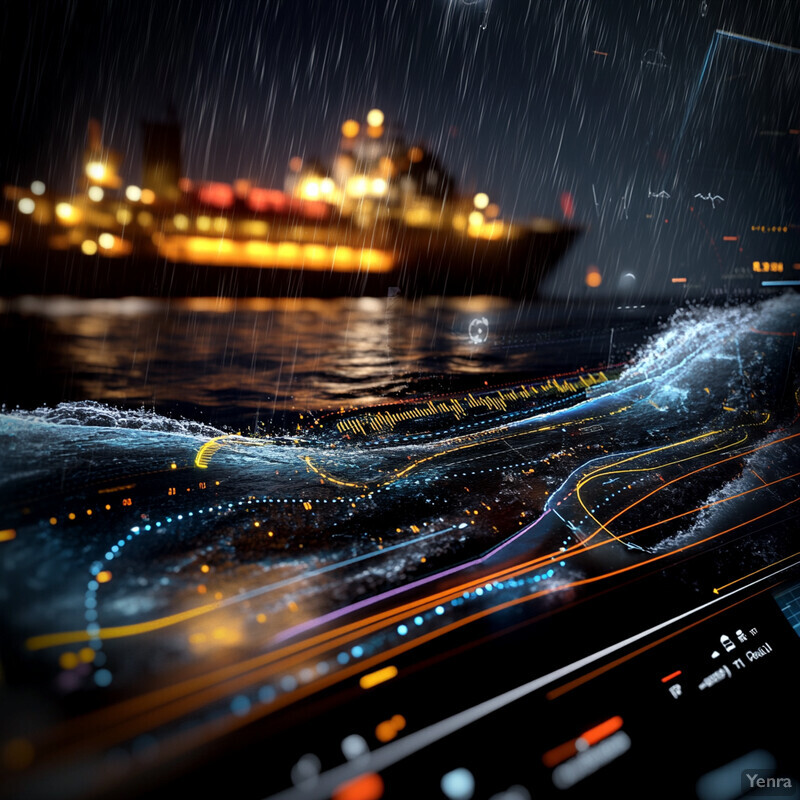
(549, 97)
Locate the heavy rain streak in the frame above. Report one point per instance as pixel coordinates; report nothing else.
(401, 398)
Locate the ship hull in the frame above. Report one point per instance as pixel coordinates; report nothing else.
(512, 268)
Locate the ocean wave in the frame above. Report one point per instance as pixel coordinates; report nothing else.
(89, 413)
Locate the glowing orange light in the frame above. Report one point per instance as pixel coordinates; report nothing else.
(103, 577)
(364, 787)
(350, 129)
(295, 163)
(68, 660)
(379, 676)
(415, 155)
(7, 535)
(593, 277)
(567, 203)
(267, 200)
(219, 195)
(375, 131)
(679, 280)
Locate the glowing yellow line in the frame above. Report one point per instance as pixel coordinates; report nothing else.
(379, 676)
(72, 637)
(330, 478)
(718, 589)
(207, 451)
(583, 482)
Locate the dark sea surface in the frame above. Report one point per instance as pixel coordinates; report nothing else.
(256, 362)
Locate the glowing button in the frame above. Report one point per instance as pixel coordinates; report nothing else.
(458, 784)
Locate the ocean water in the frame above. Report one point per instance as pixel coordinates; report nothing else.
(248, 363)
(143, 545)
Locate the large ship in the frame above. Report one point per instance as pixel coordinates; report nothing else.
(383, 218)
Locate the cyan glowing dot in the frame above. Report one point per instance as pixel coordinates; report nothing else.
(240, 705)
(147, 527)
(158, 524)
(93, 586)
(488, 587)
(536, 578)
(96, 567)
(458, 784)
(357, 651)
(479, 591)
(90, 615)
(343, 658)
(465, 595)
(129, 537)
(562, 563)
(288, 683)
(102, 677)
(180, 516)
(135, 529)
(439, 610)
(266, 694)
(114, 548)
(550, 573)
(109, 556)
(90, 602)
(169, 519)
(402, 630)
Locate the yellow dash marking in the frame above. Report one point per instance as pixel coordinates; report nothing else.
(379, 676)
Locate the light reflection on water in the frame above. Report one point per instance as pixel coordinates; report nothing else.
(251, 359)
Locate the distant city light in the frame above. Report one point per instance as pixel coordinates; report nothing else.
(375, 131)
(295, 163)
(481, 200)
(105, 240)
(181, 222)
(133, 193)
(375, 118)
(88, 247)
(475, 219)
(350, 129)
(379, 186)
(357, 186)
(415, 155)
(148, 196)
(310, 190)
(67, 213)
(38, 187)
(124, 217)
(145, 219)
(26, 205)
(204, 223)
(593, 277)
(327, 186)
(95, 193)
(492, 210)
(96, 171)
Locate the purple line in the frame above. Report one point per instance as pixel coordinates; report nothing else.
(340, 612)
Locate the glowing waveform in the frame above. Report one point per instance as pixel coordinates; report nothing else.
(712, 197)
